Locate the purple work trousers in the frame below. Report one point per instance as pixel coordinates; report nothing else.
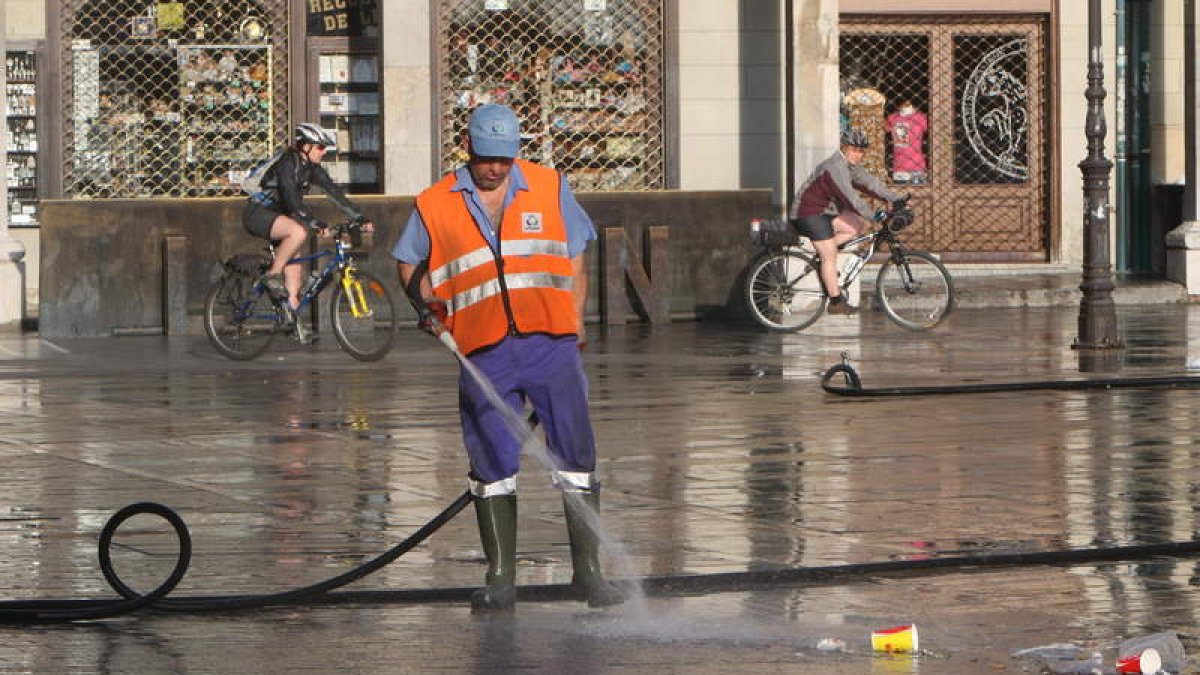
(548, 373)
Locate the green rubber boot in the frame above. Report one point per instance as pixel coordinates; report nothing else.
(497, 518)
(589, 580)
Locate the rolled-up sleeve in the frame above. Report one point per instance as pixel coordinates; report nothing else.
(580, 229)
(413, 245)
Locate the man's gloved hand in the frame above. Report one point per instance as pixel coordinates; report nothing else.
(432, 317)
(881, 215)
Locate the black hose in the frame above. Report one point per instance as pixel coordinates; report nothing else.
(51, 611)
(853, 386)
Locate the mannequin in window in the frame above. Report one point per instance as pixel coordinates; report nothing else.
(907, 127)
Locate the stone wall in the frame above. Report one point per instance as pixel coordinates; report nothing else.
(102, 273)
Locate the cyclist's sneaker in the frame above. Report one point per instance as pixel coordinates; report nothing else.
(286, 314)
(304, 334)
(839, 305)
(274, 285)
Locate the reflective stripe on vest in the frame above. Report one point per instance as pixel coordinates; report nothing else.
(514, 282)
(483, 256)
(528, 290)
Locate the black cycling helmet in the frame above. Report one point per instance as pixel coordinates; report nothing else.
(307, 132)
(855, 139)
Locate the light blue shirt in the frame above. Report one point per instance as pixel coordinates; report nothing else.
(413, 245)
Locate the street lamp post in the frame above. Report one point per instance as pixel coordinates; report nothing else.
(1097, 315)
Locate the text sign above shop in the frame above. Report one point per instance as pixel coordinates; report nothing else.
(342, 17)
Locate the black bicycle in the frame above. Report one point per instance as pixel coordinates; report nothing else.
(784, 291)
(241, 318)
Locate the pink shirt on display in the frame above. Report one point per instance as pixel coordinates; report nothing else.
(908, 132)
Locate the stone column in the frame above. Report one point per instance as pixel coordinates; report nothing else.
(815, 98)
(12, 252)
(1183, 243)
(816, 94)
(408, 92)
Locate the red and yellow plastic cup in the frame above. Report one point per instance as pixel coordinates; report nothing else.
(899, 639)
(1144, 662)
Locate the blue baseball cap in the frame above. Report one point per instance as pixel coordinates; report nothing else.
(494, 131)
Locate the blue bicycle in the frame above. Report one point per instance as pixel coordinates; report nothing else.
(241, 318)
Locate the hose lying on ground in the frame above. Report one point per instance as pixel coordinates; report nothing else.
(57, 611)
(50, 611)
(853, 386)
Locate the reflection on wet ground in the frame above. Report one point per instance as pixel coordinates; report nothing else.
(719, 453)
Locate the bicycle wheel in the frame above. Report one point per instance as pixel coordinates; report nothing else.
(368, 336)
(784, 291)
(914, 289)
(239, 318)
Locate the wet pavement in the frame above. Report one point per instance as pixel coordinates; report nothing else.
(719, 453)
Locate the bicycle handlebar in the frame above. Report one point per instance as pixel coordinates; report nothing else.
(344, 227)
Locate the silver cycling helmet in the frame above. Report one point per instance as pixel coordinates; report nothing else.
(855, 139)
(307, 132)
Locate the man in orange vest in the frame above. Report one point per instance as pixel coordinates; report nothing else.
(497, 249)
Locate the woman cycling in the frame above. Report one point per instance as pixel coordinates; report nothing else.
(277, 212)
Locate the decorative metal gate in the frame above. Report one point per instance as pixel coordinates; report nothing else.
(584, 76)
(958, 112)
(170, 98)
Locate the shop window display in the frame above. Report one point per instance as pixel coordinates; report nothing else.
(349, 107)
(21, 117)
(962, 112)
(170, 98)
(885, 89)
(585, 77)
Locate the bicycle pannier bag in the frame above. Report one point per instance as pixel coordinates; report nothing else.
(249, 264)
(776, 232)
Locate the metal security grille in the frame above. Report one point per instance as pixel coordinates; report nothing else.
(956, 113)
(170, 98)
(584, 76)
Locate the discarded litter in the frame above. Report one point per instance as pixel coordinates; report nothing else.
(831, 645)
(1064, 658)
(896, 639)
(1153, 654)
(1165, 646)
(1145, 662)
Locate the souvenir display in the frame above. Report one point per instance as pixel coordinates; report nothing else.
(588, 101)
(864, 108)
(21, 92)
(223, 114)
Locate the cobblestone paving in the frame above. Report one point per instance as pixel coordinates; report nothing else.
(720, 453)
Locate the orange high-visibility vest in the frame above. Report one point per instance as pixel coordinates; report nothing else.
(533, 295)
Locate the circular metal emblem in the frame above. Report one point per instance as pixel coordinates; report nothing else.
(995, 115)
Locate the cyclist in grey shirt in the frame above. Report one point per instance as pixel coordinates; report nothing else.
(829, 211)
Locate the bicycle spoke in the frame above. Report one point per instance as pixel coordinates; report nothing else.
(915, 290)
(239, 318)
(363, 316)
(782, 292)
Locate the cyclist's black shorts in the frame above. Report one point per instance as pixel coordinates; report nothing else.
(257, 220)
(817, 228)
